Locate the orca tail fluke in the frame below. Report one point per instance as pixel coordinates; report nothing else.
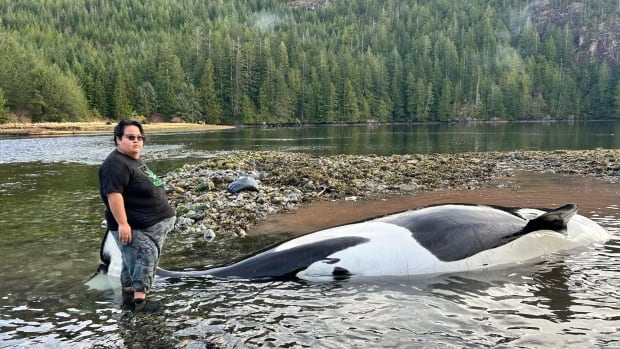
(108, 271)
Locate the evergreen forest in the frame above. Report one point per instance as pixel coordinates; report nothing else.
(290, 62)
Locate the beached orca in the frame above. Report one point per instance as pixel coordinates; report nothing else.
(430, 240)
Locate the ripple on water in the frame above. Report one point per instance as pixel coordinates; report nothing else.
(93, 149)
(568, 300)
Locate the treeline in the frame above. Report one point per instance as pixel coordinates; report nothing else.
(251, 61)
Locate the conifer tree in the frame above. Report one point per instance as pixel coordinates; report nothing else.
(121, 97)
(147, 99)
(4, 111)
(253, 61)
(209, 99)
(616, 113)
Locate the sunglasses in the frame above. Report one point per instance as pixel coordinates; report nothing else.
(134, 137)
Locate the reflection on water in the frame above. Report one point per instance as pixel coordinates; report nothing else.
(379, 140)
(424, 138)
(532, 305)
(567, 301)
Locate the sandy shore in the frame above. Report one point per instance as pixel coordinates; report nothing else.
(82, 128)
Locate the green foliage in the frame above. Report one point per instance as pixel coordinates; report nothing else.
(4, 111)
(264, 61)
(42, 90)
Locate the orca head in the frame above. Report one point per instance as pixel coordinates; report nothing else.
(585, 230)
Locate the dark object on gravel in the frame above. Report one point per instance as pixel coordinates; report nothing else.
(243, 183)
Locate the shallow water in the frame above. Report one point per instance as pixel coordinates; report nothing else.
(50, 235)
(567, 300)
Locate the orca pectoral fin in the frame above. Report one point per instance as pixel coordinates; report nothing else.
(340, 273)
(556, 219)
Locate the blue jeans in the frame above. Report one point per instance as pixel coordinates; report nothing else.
(141, 255)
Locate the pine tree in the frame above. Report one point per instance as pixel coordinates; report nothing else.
(495, 105)
(147, 99)
(617, 101)
(187, 104)
(4, 111)
(410, 104)
(444, 106)
(396, 87)
(304, 65)
(420, 99)
(350, 103)
(121, 101)
(209, 99)
(168, 81)
(602, 92)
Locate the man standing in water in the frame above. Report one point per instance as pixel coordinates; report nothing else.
(137, 210)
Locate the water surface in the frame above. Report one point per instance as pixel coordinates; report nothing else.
(49, 239)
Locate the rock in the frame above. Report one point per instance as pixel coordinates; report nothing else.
(205, 206)
(209, 235)
(243, 183)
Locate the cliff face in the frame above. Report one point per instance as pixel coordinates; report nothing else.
(596, 37)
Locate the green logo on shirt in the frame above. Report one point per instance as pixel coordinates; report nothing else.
(152, 176)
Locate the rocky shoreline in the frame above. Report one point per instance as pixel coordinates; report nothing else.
(206, 210)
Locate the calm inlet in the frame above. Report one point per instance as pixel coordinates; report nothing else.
(50, 232)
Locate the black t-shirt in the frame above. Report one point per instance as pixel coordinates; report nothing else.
(146, 202)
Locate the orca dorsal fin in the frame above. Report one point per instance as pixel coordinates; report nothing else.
(556, 219)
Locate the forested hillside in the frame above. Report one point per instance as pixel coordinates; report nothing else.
(276, 61)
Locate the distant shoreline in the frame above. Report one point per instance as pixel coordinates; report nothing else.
(88, 128)
(101, 127)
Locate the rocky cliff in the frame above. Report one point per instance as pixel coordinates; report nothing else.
(595, 35)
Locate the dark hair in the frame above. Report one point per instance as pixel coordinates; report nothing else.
(119, 130)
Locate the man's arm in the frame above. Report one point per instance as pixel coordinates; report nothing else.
(117, 206)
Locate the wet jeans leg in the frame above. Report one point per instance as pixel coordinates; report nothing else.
(144, 251)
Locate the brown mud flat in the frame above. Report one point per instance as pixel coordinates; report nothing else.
(525, 189)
